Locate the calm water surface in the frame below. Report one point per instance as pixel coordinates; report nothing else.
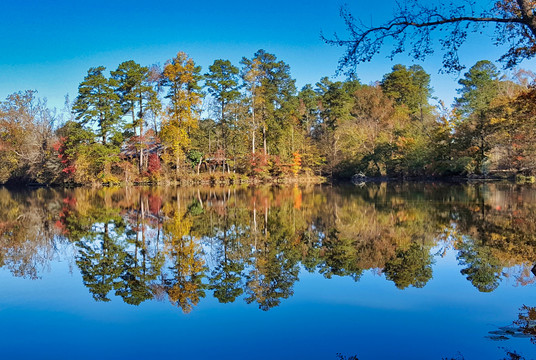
(401, 271)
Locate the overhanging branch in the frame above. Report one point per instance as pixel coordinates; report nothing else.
(517, 27)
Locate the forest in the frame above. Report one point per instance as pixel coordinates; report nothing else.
(180, 124)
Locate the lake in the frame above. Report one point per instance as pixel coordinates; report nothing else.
(379, 271)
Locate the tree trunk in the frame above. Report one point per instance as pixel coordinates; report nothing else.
(177, 167)
(527, 14)
(253, 141)
(223, 133)
(264, 139)
(141, 146)
(253, 130)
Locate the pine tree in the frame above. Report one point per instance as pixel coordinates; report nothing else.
(136, 95)
(98, 104)
(222, 83)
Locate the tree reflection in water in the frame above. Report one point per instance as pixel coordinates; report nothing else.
(250, 243)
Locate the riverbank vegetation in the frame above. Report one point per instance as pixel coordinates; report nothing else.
(228, 123)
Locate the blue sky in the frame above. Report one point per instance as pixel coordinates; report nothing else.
(49, 45)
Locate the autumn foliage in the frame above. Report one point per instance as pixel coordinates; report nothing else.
(151, 125)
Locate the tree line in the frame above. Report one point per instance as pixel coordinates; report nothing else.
(152, 124)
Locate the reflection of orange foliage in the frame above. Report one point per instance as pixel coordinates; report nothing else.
(220, 207)
(265, 198)
(297, 197)
(155, 204)
(261, 198)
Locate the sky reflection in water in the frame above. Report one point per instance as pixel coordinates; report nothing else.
(385, 271)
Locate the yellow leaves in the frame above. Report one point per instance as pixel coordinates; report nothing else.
(175, 135)
(497, 120)
(401, 115)
(177, 228)
(182, 75)
(180, 69)
(499, 238)
(403, 142)
(187, 261)
(83, 173)
(186, 295)
(405, 216)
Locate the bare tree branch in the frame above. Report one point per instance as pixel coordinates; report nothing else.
(413, 23)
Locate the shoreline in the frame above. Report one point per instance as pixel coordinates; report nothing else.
(212, 181)
(225, 180)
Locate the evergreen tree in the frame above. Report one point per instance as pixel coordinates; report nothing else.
(480, 86)
(277, 98)
(410, 87)
(222, 83)
(308, 108)
(136, 95)
(98, 104)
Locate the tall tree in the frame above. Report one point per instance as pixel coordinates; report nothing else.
(277, 90)
(335, 104)
(410, 87)
(222, 83)
(136, 95)
(516, 121)
(252, 74)
(182, 77)
(308, 102)
(97, 103)
(369, 135)
(480, 86)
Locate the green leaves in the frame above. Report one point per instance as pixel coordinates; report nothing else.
(134, 89)
(409, 86)
(222, 82)
(98, 104)
(480, 86)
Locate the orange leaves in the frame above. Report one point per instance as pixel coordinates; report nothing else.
(297, 162)
(297, 195)
(402, 142)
